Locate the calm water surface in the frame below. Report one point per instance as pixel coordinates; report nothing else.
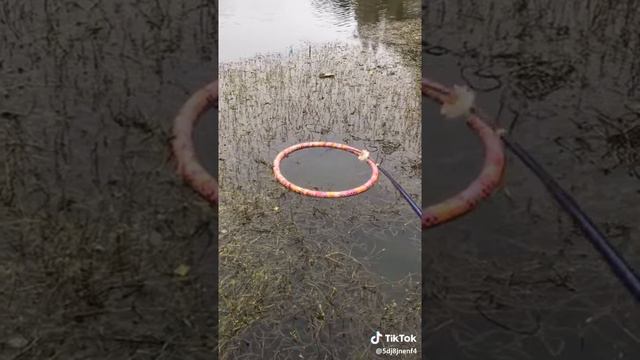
(250, 27)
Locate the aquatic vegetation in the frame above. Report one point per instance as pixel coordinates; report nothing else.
(561, 78)
(283, 292)
(333, 265)
(271, 100)
(93, 221)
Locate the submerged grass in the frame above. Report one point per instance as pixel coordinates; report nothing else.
(516, 279)
(269, 101)
(286, 295)
(93, 220)
(300, 277)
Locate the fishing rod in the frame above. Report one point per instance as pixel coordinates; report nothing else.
(623, 271)
(459, 102)
(416, 209)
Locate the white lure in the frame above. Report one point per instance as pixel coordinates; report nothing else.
(364, 155)
(461, 102)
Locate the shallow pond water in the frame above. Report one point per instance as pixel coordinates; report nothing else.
(269, 103)
(351, 108)
(93, 216)
(272, 96)
(250, 27)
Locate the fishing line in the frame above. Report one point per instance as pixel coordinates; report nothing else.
(459, 102)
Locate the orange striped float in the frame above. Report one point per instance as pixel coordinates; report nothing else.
(362, 155)
(490, 176)
(183, 150)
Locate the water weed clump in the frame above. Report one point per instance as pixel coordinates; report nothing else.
(286, 294)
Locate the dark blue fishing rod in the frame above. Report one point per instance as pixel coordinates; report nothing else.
(405, 195)
(616, 262)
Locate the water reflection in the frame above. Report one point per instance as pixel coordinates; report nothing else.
(338, 12)
(252, 27)
(366, 11)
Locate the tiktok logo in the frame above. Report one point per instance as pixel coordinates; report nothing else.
(376, 338)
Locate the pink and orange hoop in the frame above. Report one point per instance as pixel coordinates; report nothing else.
(206, 185)
(487, 181)
(183, 150)
(323, 194)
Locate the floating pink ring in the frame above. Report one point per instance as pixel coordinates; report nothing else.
(323, 194)
(183, 149)
(486, 182)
